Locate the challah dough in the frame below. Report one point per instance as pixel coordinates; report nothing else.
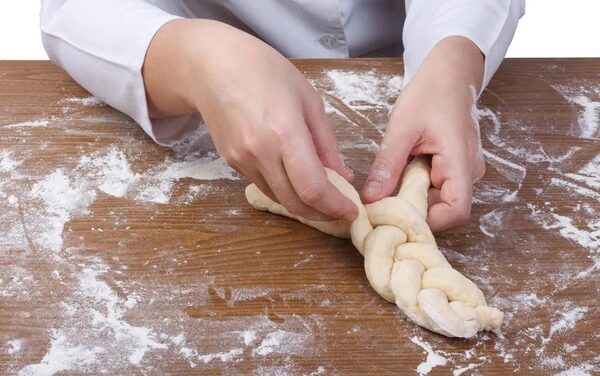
(402, 261)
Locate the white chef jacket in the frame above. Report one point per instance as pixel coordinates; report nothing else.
(102, 43)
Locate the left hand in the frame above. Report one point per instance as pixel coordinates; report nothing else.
(433, 116)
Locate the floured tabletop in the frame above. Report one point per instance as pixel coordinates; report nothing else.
(119, 256)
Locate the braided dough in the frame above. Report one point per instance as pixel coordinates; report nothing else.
(402, 261)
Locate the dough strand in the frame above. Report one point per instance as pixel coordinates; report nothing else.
(402, 261)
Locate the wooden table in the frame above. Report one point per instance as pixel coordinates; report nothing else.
(113, 261)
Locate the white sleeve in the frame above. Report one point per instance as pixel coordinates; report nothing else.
(102, 45)
(490, 24)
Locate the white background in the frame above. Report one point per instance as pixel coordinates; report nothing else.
(550, 28)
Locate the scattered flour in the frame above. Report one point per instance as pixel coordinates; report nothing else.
(86, 101)
(582, 191)
(62, 357)
(30, 124)
(510, 170)
(223, 357)
(460, 371)
(60, 197)
(138, 340)
(491, 223)
(580, 370)
(567, 321)
(588, 238)
(485, 193)
(14, 346)
(112, 171)
(249, 337)
(7, 163)
(304, 261)
(588, 121)
(433, 358)
(280, 341)
(365, 90)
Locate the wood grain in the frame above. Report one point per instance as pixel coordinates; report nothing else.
(200, 270)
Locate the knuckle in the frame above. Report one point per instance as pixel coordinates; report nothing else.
(250, 148)
(281, 132)
(295, 207)
(231, 158)
(312, 193)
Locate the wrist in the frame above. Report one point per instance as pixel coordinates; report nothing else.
(193, 45)
(460, 60)
(455, 64)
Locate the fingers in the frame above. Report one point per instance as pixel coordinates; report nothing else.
(323, 137)
(451, 175)
(286, 195)
(262, 184)
(389, 162)
(433, 196)
(309, 180)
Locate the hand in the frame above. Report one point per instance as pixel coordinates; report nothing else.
(433, 116)
(265, 118)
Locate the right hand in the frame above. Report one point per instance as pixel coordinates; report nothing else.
(265, 118)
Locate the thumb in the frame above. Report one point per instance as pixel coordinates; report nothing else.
(389, 163)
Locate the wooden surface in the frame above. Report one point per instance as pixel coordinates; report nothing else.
(206, 284)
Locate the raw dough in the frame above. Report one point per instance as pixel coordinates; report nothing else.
(402, 261)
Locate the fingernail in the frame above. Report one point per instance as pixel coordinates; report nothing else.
(373, 188)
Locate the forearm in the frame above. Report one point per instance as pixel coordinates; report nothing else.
(172, 66)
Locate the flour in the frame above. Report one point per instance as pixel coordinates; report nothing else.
(365, 90)
(17, 283)
(62, 357)
(510, 170)
(280, 341)
(578, 189)
(223, 357)
(485, 193)
(42, 123)
(249, 337)
(433, 358)
(460, 371)
(588, 120)
(588, 238)
(491, 223)
(110, 316)
(86, 101)
(197, 191)
(579, 370)
(112, 170)
(60, 198)
(7, 163)
(14, 346)
(567, 320)
(588, 174)
(247, 294)
(304, 261)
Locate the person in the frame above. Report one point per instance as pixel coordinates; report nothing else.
(169, 64)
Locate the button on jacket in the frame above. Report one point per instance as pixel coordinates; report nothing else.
(102, 44)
